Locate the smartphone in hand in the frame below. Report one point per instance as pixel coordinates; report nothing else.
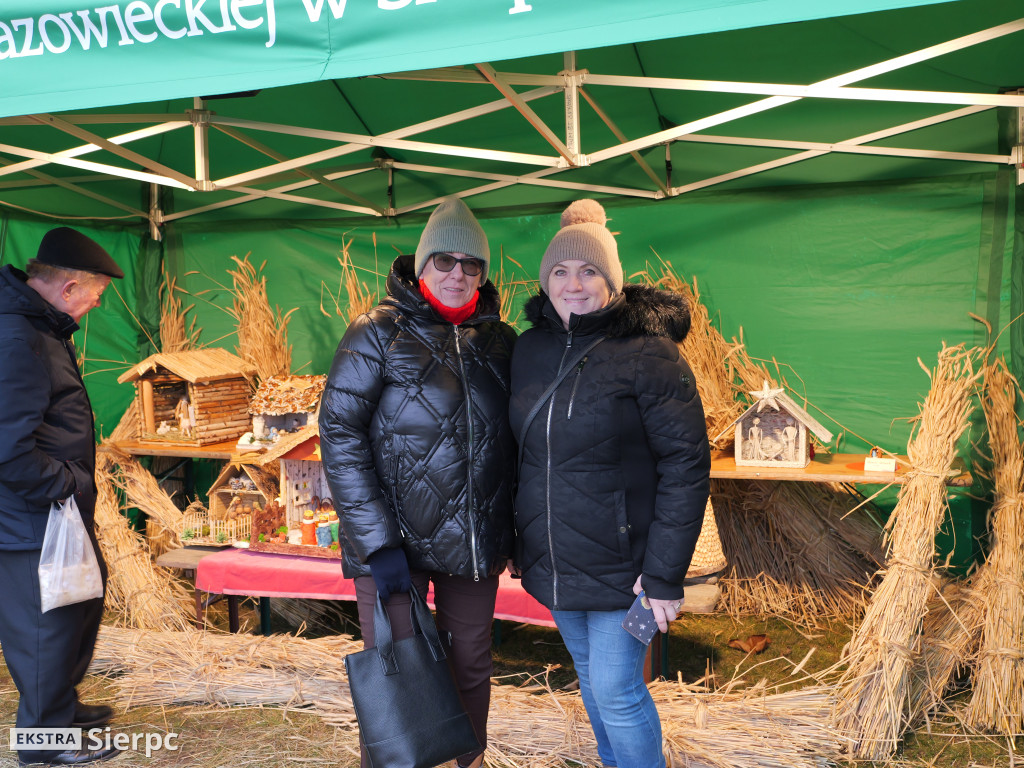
(639, 621)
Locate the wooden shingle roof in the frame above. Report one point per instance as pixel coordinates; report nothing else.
(196, 366)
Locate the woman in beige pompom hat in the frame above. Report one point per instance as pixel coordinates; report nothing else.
(613, 470)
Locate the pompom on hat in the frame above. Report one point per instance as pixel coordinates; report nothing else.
(69, 249)
(584, 237)
(452, 228)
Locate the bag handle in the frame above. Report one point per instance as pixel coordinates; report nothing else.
(547, 393)
(422, 624)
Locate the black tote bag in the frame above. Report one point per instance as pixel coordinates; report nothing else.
(407, 706)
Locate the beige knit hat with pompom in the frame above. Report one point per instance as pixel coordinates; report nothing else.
(584, 237)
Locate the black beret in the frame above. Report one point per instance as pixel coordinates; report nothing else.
(70, 249)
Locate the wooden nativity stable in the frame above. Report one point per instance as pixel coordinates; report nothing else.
(773, 431)
(191, 398)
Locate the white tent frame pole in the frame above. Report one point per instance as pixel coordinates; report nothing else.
(763, 105)
(606, 119)
(252, 196)
(161, 171)
(307, 172)
(527, 179)
(259, 193)
(531, 117)
(800, 157)
(479, 190)
(1017, 154)
(455, 117)
(109, 170)
(84, 149)
(810, 91)
(572, 103)
(200, 118)
(72, 187)
(846, 147)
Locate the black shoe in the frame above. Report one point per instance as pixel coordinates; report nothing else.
(77, 757)
(91, 715)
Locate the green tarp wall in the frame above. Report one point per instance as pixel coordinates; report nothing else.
(846, 286)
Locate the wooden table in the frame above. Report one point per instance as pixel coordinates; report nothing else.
(187, 559)
(828, 468)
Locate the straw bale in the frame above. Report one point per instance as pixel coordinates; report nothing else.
(873, 705)
(529, 725)
(998, 700)
(143, 596)
(262, 334)
(143, 492)
(791, 551)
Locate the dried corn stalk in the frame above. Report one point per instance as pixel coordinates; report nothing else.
(872, 707)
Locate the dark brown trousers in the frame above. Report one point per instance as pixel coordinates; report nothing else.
(465, 608)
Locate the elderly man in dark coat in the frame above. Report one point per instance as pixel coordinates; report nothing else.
(47, 453)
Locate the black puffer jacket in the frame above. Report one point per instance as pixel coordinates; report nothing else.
(47, 449)
(414, 433)
(615, 470)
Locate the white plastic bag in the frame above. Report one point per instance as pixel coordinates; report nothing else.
(68, 571)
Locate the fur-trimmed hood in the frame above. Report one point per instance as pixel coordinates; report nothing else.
(640, 310)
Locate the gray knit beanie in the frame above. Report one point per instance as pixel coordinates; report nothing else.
(584, 237)
(452, 228)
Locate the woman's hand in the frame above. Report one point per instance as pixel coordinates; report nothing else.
(665, 611)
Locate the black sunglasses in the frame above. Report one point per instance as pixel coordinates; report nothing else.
(445, 262)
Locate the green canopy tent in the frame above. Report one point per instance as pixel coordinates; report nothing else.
(843, 182)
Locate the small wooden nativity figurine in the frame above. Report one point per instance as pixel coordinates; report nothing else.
(773, 431)
(191, 398)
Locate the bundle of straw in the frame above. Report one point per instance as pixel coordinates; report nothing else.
(145, 493)
(262, 335)
(761, 526)
(529, 726)
(152, 668)
(872, 707)
(144, 596)
(998, 700)
(949, 639)
(175, 334)
(797, 556)
(718, 365)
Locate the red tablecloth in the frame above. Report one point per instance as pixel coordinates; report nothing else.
(240, 572)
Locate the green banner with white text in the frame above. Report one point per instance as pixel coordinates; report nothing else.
(58, 55)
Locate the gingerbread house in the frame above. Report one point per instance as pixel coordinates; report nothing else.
(773, 431)
(191, 398)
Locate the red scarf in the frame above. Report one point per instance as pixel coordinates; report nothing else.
(453, 315)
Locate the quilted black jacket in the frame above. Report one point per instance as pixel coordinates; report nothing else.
(615, 471)
(47, 448)
(414, 433)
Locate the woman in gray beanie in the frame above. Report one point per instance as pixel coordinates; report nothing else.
(418, 452)
(613, 471)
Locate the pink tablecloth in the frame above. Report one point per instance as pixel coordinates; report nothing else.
(261, 574)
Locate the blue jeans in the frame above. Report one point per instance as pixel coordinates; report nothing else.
(610, 663)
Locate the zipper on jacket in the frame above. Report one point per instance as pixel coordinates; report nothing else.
(469, 468)
(575, 384)
(547, 481)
